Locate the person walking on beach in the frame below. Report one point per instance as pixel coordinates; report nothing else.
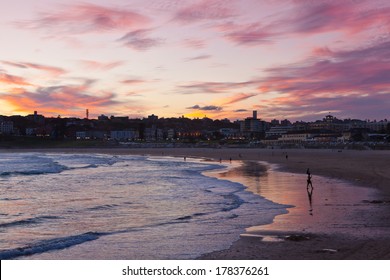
(309, 179)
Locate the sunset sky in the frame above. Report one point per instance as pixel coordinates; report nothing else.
(295, 59)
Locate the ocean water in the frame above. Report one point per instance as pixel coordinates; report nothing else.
(94, 206)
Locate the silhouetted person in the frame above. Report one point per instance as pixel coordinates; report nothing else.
(185, 159)
(286, 157)
(309, 183)
(230, 160)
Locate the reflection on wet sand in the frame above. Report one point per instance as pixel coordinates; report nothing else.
(309, 188)
(339, 205)
(248, 173)
(310, 195)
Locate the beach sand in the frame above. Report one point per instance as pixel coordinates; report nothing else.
(348, 216)
(333, 220)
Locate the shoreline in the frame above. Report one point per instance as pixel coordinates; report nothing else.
(370, 238)
(336, 222)
(363, 168)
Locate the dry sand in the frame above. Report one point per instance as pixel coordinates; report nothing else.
(351, 221)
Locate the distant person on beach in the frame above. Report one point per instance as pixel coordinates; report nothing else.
(286, 157)
(230, 160)
(185, 159)
(309, 180)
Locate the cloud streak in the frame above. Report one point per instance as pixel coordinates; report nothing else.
(12, 80)
(247, 34)
(86, 18)
(139, 40)
(329, 16)
(237, 98)
(213, 87)
(199, 57)
(206, 108)
(205, 10)
(194, 43)
(133, 81)
(54, 71)
(100, 66)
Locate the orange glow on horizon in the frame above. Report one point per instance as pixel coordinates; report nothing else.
(196, 114)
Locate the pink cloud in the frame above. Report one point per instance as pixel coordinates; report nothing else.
(247, 34)
(361, 70)
(319, 17)
(55, 71)
(322, 51)
(311, 107)
(139, 40)
(101, 66)
(352, 78)
(213, 87)
(64, 100)
(199, 57)
(306, 18)
(205, 10)
(237, 98)
(83, 18)
(345, 16)
(13, 80)
(14, 64)
(133, 81)
(374, 17)
(194, 43)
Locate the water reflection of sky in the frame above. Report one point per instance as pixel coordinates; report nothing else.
(330, 206)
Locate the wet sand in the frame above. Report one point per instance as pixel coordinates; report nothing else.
(349, 215)
(333, 220)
